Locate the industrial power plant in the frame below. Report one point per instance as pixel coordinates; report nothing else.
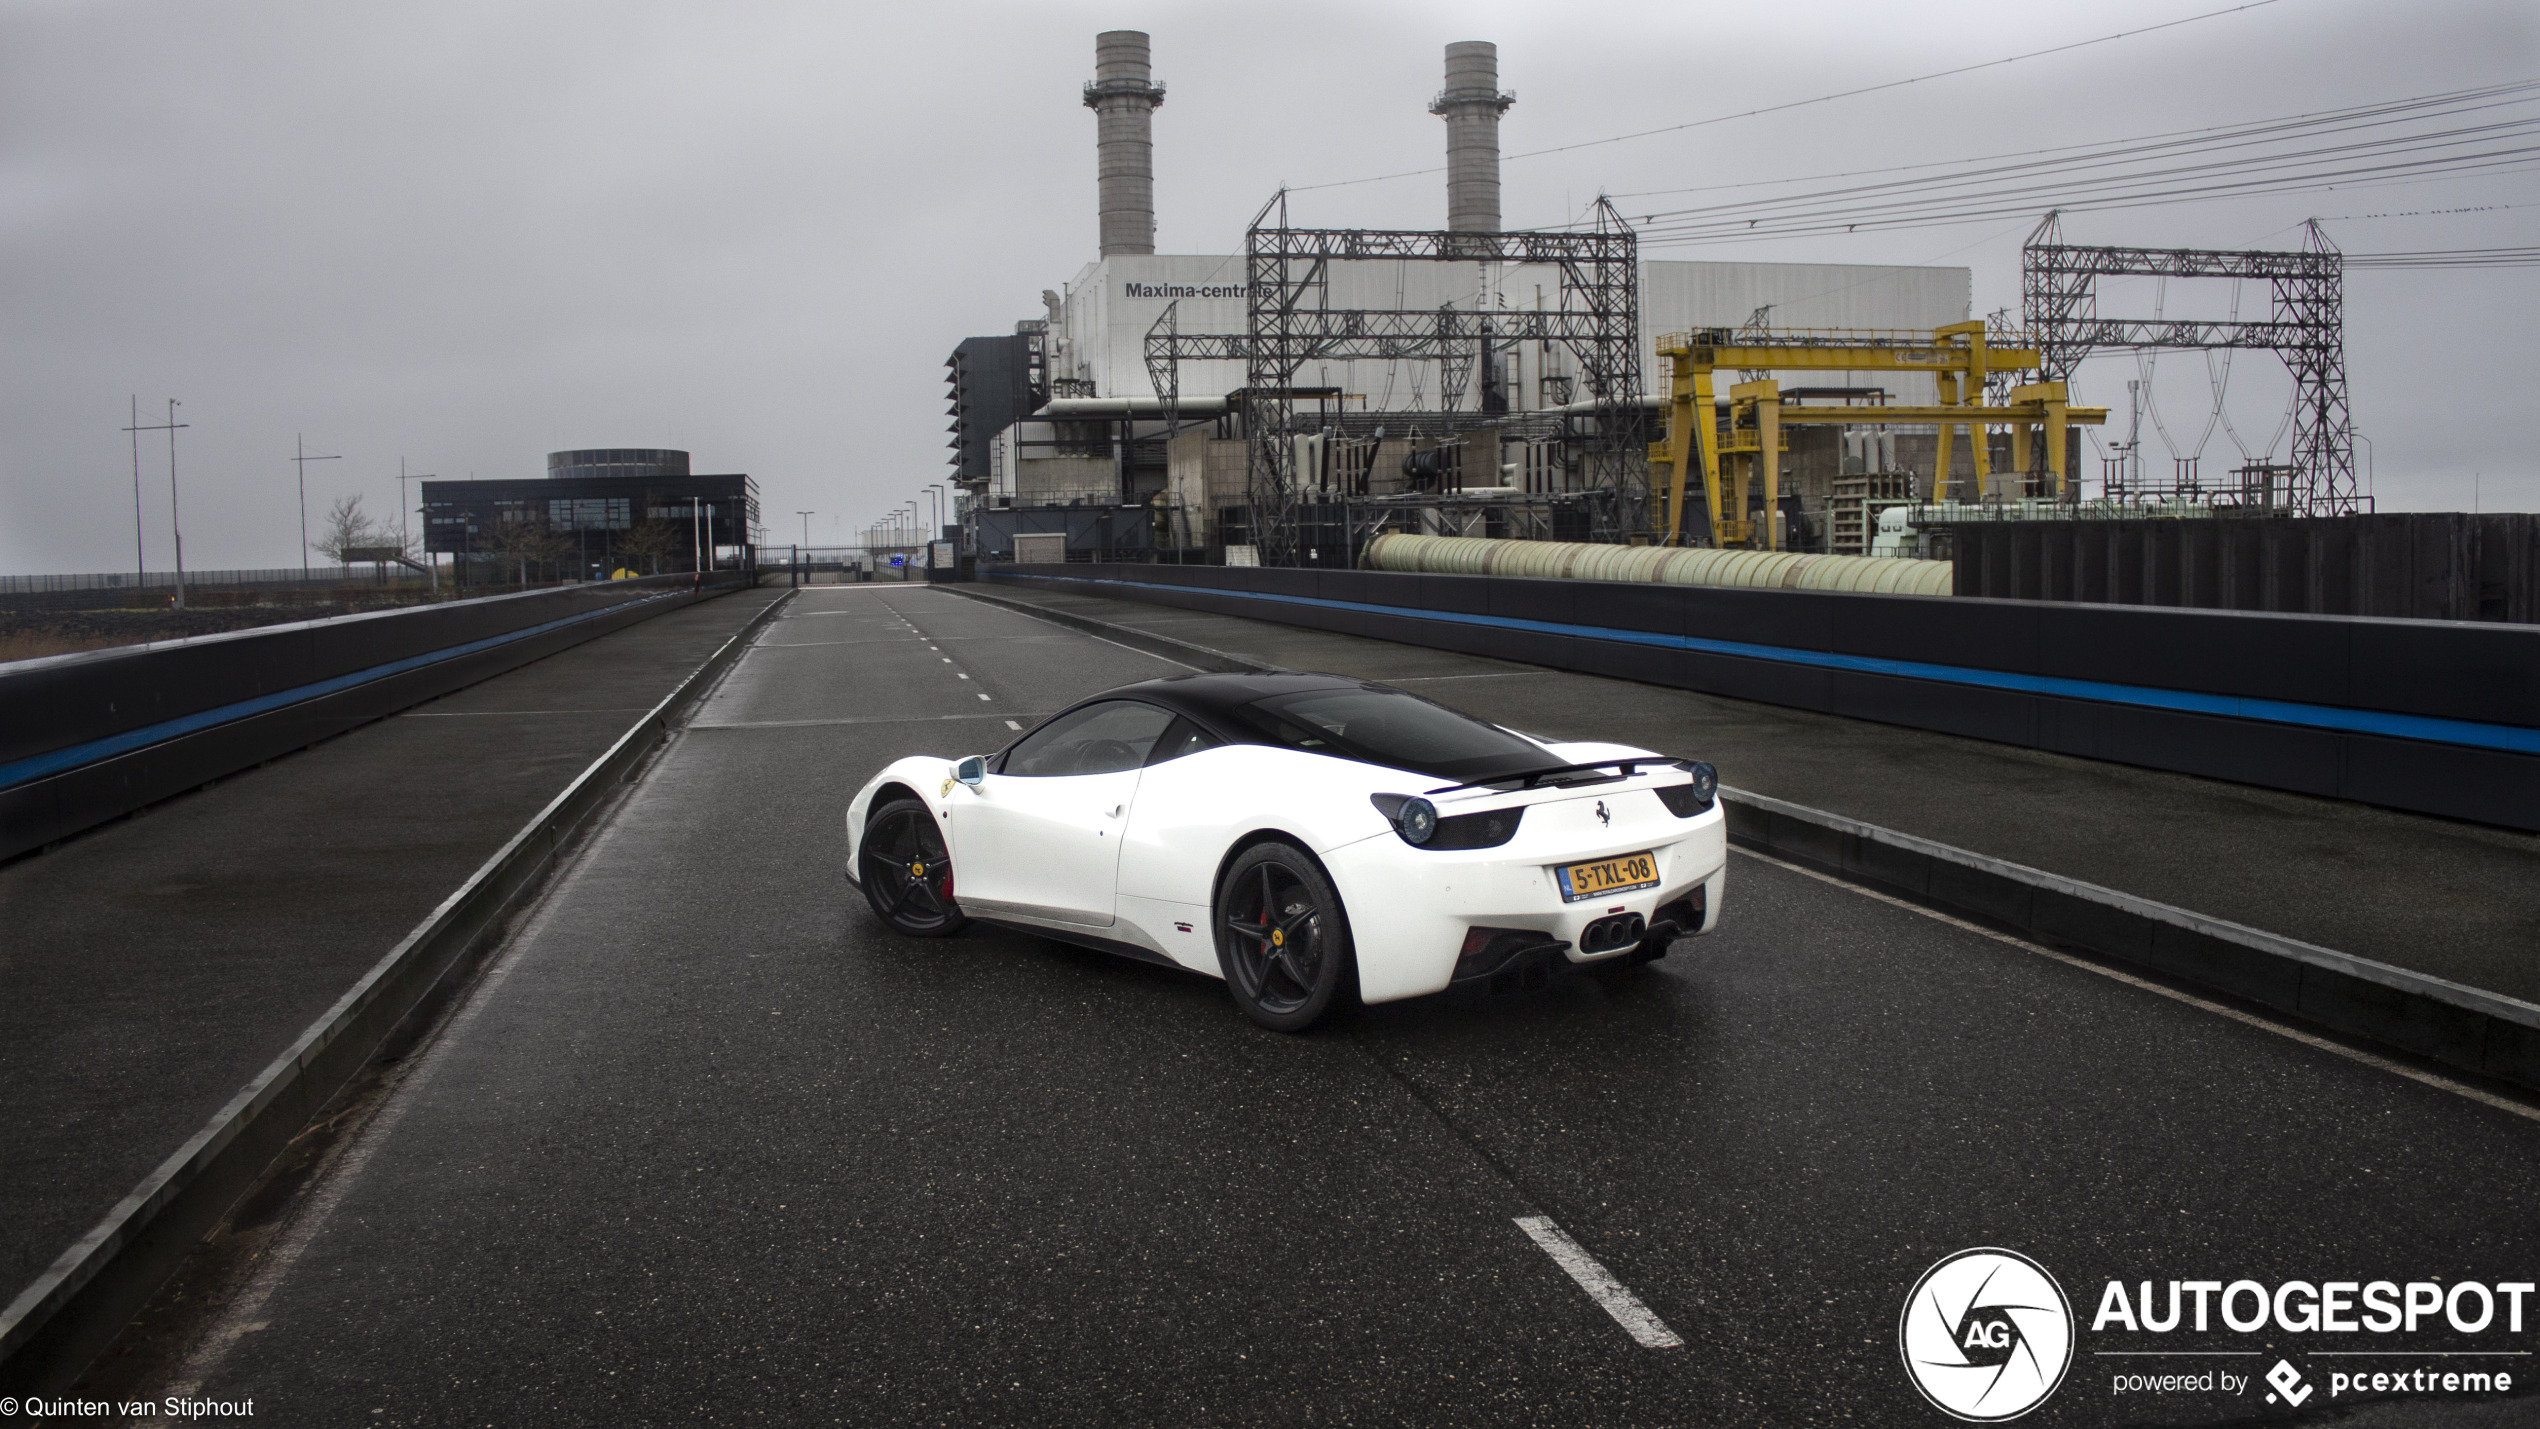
(1295, 403)
(1461, 819)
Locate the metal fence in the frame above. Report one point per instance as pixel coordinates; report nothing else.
(166, 580)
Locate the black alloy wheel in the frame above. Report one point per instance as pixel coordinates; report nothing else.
(1282, 938)
(908, 872)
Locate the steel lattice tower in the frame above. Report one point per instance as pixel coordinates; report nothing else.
(1290, 324)
(2306, 327)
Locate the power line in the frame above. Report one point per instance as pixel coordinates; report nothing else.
(2419, 213)
(2129, 194)
(2327, 120)
(1805, 103)
(2527, 256)
(1980, 194)
(2055, 181)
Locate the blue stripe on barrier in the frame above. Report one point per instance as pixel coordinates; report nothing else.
(62, 760)
(2514, 738)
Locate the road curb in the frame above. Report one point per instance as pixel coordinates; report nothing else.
(56, 1326)
(1146, 641)
(2454, 1023)
(2462, 1026)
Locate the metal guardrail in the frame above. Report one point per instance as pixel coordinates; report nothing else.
(53, 1329)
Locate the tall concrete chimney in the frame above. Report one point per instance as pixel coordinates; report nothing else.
(1123, 98)
(1471, 104)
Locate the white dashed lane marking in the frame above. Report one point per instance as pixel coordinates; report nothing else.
(1600, 1284)
(1012, 725)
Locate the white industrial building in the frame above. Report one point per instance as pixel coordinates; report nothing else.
(1097, 436)
(1100, 320)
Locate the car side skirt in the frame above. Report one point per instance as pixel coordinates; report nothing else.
(1081, 939)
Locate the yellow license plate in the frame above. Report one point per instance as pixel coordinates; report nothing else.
(1608, 875)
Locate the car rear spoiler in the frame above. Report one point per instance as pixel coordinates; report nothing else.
(1531, 778)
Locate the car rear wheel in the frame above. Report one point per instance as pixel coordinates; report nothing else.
(908, 872)
(1282, 938)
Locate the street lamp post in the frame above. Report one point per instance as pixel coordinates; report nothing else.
(176, 524)
(140, 552)
(176, 527)
(300, 458)
(405, 532)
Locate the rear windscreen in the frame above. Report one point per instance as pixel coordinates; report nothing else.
(1391, 728)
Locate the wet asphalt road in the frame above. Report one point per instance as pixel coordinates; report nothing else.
(152, 967)
(707, 1145)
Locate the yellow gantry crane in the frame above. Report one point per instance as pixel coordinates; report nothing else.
(1958, 356)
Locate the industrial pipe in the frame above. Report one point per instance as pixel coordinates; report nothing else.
(1060, 409)
(1664, 565)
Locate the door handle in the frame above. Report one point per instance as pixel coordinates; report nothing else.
(1114, 811)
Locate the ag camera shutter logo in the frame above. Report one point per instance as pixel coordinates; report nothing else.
(1986, 1335)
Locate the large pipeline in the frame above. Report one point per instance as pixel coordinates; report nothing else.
(1668, 565)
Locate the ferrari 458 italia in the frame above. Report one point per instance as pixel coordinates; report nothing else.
(1307, 838)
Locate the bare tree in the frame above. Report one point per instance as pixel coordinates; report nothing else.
(522, 545)
(650, 541)
(349, 528)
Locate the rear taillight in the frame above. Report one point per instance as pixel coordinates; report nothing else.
(1686, 800)
(1418, 822)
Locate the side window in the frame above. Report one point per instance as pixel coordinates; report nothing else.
(1182, 738)
(1098, 739)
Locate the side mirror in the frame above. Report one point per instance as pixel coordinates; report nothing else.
(971, 771)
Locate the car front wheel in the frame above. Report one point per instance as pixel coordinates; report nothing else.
(1282, 938)
(908, 872)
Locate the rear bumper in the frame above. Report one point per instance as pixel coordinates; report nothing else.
(1498, 956)
(1410, 911)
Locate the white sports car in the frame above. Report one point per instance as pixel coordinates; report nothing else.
(1304, 837)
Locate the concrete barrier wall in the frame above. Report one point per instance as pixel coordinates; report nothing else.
(2414, 565)
(88, 737)
(2436, 717)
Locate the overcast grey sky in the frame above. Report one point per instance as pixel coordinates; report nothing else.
(469, 233)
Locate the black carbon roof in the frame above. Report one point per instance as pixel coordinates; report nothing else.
(1215, 703)
(1210, 699)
